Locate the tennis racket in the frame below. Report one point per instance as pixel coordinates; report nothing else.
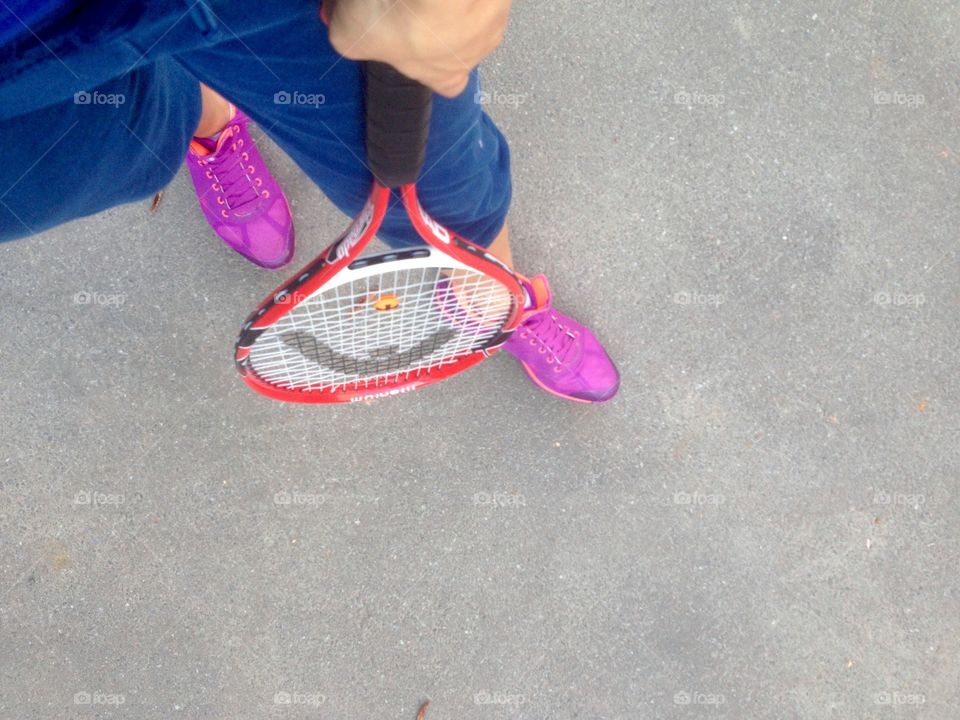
(348, 328)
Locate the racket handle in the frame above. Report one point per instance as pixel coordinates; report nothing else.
(398, 122)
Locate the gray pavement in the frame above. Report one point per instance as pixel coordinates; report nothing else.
(754, 204)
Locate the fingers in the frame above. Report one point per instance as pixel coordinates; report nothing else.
(437, 42)
(448, 86)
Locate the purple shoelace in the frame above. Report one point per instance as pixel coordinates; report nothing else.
(232, 174)
(556, 336)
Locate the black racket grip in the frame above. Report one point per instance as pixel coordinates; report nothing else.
(398, 122)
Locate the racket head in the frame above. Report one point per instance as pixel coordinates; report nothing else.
(349, 328)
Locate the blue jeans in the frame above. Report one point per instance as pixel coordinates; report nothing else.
(102, 110)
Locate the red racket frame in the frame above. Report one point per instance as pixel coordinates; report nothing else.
(325, 266)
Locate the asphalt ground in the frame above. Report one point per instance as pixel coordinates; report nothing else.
(752, 204)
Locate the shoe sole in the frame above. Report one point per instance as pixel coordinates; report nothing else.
(543, 387)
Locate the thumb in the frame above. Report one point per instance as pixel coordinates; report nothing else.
(449, 86)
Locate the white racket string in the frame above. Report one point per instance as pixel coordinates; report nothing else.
(382, 328)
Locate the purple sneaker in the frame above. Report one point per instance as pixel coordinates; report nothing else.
(559, 354)
(243, 203)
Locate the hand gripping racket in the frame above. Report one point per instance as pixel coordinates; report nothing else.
(348, 328)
